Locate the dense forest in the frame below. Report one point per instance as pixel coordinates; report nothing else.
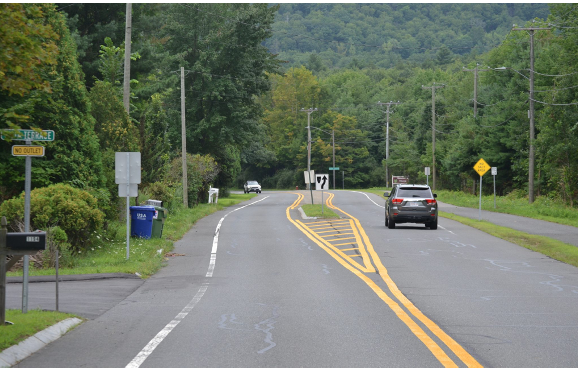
(252, 71)
(383, 35)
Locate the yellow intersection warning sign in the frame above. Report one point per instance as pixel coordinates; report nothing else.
(482, 167)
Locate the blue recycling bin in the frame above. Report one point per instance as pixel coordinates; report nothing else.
(141, 224)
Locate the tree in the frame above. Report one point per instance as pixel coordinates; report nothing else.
(27, 45)
(444, 56)
(74, 156)
(286, 124)
(89, 24)
(220, 46)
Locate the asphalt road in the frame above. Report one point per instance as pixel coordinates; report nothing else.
(269, 288)
(564, 233)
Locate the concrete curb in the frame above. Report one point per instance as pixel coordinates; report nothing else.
(15, 354)
(304, 216)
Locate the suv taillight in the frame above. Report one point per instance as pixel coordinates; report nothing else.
(397, 200)
(431, 201)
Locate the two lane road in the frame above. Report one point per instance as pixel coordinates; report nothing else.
(257, 285)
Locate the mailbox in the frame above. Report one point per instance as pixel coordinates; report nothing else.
(25, 242)
(154, 202)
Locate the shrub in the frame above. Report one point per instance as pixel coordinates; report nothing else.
(201, 172)
(56, 238)
(285, 179)
(74, 210)
(105, 204)
(166, 192)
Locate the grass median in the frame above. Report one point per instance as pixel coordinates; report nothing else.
(315, 210)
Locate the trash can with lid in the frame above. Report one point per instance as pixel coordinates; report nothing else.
(141, 221)
(158, 221)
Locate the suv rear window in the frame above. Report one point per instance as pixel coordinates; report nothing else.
(413, 192)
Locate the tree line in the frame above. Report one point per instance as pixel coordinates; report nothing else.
(244, 101)
(62, 66)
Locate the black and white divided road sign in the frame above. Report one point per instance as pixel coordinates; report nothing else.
(321, 182)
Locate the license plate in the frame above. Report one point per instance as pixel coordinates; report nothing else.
(413, 204)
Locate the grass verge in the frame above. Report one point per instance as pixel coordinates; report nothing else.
(543, 208)
(549, 247)
(109, 256)
(315, 210)
(27, 324)
(146, 256)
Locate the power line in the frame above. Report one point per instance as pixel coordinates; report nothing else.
(553, 104)
(558, 89)
(552, 75)
(499, 124)
(478, 102)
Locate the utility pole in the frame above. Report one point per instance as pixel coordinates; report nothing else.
(333, 143)
(309, 111)
(127, 37)
(433, 129)
(387, 138)
(184, 140)
(531, 31)
(476, 71)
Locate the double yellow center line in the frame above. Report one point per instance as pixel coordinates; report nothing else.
(345, 240)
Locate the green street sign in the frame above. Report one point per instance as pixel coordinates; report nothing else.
(28, 135)
(333, 168)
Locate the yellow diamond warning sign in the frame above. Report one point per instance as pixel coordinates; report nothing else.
(482, 167)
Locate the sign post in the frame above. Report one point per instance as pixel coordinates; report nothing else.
(309, 175)
(427, 173)
(127, 175)
(334, 169)
(481, 167)
(494, 173)
(3, 232)
(321, 183)
(28, 151)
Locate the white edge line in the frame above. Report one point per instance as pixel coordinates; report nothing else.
(152, 345)
(216, 237)
(354, 191)
(365, 194)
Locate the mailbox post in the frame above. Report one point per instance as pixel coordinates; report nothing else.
(16, 244)
(3, 226)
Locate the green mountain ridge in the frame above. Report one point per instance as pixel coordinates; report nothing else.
(382, 35)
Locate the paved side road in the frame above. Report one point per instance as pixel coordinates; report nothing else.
(564, 233)
(87, 296)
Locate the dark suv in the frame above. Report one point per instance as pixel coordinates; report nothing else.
(411, 203)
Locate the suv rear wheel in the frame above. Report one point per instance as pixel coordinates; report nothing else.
(391, 224)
